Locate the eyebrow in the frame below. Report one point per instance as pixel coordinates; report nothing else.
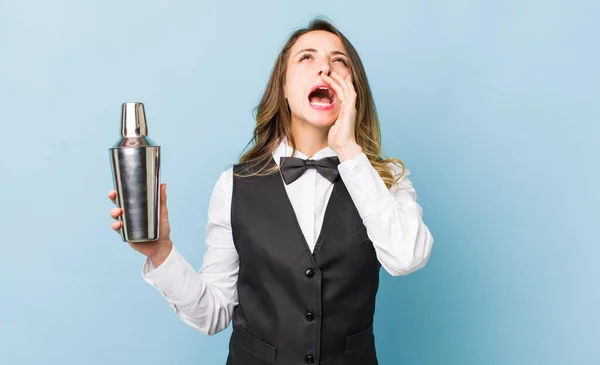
(314, 50)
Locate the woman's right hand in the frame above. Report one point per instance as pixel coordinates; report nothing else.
(157, 250)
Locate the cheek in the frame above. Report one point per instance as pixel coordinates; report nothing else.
(294, 88)
(341, 70)
(294, 96)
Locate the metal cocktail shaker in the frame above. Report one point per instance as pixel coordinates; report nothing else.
(135, 162)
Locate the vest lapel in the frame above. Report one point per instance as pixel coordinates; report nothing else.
(280, 192)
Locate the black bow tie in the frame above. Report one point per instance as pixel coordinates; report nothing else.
(293, 167)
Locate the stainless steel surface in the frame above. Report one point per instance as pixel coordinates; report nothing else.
(135, 163)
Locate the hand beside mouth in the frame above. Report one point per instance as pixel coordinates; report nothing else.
(321, 97)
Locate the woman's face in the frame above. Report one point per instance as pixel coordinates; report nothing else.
(310, 99)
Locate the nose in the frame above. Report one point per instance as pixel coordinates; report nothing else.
(324, 69)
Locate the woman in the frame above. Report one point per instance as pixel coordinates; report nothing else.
(298, 229)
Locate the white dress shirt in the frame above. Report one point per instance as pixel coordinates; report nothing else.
(393, 219)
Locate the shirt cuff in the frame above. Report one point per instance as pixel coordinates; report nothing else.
(367, 189)
(166, 277)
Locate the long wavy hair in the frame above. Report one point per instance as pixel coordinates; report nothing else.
(274, 119)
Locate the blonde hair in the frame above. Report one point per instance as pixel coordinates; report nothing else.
(273, 116)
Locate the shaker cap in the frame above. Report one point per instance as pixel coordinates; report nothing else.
(133, 120)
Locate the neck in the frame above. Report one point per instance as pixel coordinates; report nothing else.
(309, 138)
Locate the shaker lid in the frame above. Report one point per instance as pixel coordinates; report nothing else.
(133, 120)
(134, 130)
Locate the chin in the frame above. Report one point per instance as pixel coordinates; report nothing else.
(322, 119)
(317, 118)
(322, 122)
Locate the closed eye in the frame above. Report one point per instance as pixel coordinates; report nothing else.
(341, 59)
(305, 56)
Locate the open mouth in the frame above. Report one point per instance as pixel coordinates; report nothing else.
(321, 97)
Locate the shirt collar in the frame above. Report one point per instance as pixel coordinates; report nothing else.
(285, 150)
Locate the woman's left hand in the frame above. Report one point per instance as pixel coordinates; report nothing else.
(341, 135)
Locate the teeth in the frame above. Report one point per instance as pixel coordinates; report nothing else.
(330, 93)
(317, 103)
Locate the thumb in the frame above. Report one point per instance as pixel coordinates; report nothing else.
(163, 200)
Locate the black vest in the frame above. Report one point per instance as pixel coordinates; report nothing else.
(297, 307)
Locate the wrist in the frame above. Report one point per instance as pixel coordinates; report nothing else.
(161, 253)
(349, 151)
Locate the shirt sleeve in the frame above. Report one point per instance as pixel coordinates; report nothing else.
(205, 299)
(392, 217)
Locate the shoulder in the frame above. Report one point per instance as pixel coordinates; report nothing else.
(398, 170)
(224, 185)
(227, 174)
(402, 177)
(253, 170)
(246, 171)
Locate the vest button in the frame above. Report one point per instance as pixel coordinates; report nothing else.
(310, 316)
(309, 359)
(310, 273)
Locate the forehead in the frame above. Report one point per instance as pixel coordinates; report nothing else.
(320, 40)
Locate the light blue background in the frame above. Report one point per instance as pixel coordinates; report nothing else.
(493, 106)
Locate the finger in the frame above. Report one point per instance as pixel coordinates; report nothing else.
(163, 195)
(117, 225)
(351, 89)
(342, 83)
(164, 212)
(339, 92)
(116, 212)
(112, 195)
